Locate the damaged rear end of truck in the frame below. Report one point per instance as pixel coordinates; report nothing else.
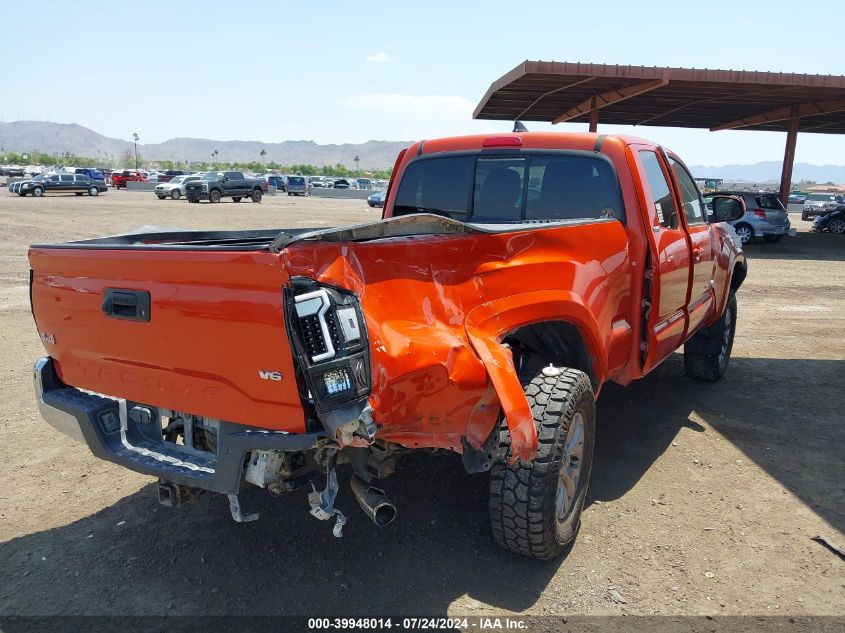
(510, 277)
(216, 360)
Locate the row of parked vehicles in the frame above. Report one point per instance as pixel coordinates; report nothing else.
(80, 184)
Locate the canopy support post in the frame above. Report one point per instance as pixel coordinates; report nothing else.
(789, 156)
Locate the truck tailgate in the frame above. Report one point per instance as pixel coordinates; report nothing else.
(215, 343)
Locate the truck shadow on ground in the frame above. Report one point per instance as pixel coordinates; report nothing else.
(784, 414)
(138, 558)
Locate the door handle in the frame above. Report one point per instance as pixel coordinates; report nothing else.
(130, 305)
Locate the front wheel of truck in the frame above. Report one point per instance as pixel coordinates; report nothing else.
(710, 364)
(535, 507)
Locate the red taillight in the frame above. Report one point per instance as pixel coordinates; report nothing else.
(760, 214)
(502, 141)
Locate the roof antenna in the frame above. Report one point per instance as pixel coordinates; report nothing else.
(519, 127)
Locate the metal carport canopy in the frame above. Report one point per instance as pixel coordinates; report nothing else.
(670, 97)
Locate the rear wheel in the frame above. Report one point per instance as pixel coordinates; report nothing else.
(710, 367)
(744, 232)
(214, 195)
(837, 225)
(772, 239)
(256, 196)
(175, 194)
(535, 507)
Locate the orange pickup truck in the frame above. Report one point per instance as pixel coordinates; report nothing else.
(510, 277)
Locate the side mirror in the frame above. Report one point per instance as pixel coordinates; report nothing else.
(728, 208)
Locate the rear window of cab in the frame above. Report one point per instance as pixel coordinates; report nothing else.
(502, 188)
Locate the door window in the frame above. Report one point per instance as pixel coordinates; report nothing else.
(694, 209)
(664, 204)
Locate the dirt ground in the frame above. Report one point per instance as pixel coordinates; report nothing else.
(703, 498)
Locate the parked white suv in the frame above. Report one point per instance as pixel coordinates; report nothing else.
(174, 188)
(820, 204)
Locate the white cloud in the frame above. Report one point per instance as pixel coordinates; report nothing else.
(378, 58)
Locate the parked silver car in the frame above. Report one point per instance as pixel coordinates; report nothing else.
(765, 216)
(174, 188)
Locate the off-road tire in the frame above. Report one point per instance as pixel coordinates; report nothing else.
(523, 496)
(214, 196)
(711, 367)
(256, 196)
(175, 194)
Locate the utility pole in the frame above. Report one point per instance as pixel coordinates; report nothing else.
(135, 136)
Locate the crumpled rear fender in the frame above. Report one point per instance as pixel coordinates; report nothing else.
(488, 323)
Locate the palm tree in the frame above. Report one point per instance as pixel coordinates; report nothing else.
(356, 159)
(263, 153)
(214, 156)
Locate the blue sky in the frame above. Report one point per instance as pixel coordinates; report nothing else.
(341, 72)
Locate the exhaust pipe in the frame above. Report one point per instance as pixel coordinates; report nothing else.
(373, 502)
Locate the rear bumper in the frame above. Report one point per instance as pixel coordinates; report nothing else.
(110, 432)
(774, 229)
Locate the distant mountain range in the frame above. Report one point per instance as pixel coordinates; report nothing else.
(769, 171)
(23, 136)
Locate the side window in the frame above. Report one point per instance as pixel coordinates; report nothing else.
(54, 179)
(234, 175)
(497, 189)
(664, 204)
(693, 206)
